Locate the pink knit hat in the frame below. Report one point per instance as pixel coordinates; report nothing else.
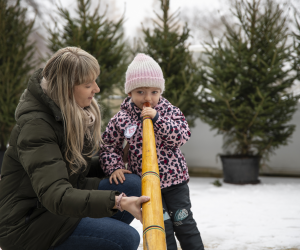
(144, 72)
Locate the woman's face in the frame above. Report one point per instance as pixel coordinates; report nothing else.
(85, 92)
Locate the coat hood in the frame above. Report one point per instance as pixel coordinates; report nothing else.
(34, 99)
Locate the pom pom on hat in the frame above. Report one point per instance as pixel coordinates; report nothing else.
(144, 72)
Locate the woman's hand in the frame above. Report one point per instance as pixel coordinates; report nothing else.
(147, 111)
(119, 174)
(133, 205)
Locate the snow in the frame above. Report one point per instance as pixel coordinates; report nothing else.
(244, 217)
(265, 216)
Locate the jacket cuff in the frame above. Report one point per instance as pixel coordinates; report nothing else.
(111, 170)
(157, 124)
(155, 118)
(112, 201)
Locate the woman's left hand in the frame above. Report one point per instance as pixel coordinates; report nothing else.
(133, 205)
(147, 111)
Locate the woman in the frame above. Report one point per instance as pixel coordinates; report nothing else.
(51, 192)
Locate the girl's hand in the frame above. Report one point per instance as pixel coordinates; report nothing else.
(133, 205)
(149, 112)
(119, 174)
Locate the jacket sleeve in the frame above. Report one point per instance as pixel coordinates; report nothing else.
(111, 152)
(41, 157)
(172, 127)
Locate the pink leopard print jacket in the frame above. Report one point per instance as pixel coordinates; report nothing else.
(171, 131)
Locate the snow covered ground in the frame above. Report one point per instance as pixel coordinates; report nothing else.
(249, 217)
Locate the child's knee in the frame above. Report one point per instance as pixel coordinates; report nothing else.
(183, 220)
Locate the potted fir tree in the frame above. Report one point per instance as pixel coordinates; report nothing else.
(296, 44)
(245, 82)
(16, 55)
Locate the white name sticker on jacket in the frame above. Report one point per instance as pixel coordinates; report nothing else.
(130, 130)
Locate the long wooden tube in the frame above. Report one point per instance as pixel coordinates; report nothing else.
(154, 237)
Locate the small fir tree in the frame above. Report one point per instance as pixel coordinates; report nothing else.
(246, 79)
(167, 45)
(16, 63)
(101, 38)
(296, 64)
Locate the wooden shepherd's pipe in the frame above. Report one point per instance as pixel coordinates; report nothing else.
(154, 237)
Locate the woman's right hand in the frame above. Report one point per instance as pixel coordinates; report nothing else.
(133, 205)
(119, 174)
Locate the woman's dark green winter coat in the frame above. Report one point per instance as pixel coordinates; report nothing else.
(40, 202)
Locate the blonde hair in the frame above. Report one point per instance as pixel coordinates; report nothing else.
(67, 68)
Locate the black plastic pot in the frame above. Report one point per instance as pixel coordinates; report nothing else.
(240, 169)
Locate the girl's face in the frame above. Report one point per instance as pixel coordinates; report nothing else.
(84, 93)
(141, 95)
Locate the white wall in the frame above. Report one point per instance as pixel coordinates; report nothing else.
(201, 150)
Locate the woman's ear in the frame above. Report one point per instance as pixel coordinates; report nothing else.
(129, 94)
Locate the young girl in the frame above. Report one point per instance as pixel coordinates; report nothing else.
(145, 83)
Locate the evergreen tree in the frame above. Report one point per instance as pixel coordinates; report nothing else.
(167, 45)
(101, 38)
(246, 79)
(16, 62)
(296, 65)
